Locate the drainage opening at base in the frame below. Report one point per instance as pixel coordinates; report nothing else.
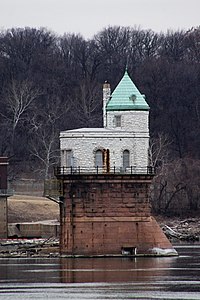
(129, 250)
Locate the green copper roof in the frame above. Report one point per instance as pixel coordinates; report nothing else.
(126, 96)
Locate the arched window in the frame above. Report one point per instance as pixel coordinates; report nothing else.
(98, 158)
(69, 158)
(126, 159)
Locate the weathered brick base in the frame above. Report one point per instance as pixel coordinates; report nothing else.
(3, 217)
(108, 215)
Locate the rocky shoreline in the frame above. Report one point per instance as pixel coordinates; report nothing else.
(186, 230)
(29, 248)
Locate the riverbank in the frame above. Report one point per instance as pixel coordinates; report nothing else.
(22, 208)
(29, 247)
(177, 229)
(33, 212)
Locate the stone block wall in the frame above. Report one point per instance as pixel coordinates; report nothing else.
(83, 147)
(106, 215)
(136, 121)
(33, 230)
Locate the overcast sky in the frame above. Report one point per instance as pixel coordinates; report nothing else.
(88, 17)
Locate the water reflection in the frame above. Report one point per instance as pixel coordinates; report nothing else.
(103, 278)
(114, 269)
(29, 270)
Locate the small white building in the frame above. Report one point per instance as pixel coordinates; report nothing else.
(121, 145)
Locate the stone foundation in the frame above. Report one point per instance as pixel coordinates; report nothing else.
(109, 215)
(3, 217)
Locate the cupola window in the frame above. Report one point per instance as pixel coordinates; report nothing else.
(118, 121)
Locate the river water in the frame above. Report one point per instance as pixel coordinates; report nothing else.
(103, 278)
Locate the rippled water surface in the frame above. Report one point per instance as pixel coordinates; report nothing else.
(103, 278)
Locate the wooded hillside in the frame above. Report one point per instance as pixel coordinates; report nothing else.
(50, 83)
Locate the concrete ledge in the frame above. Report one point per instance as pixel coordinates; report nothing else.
(121, 256)
(41, 229)
(108, 219)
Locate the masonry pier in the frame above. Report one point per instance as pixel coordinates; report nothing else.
(104, 180)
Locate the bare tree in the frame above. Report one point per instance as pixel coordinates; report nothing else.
(19, 97)
(192, 43)
(159, 150)
(44, 132)
(45, 149)
(173, 46)
(168, 189)
(86, 104)
(150, 42)
(168, 182)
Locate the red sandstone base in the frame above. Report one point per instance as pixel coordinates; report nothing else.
(110, 215)
(117, 237)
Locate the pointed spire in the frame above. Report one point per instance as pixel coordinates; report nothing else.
(127, 63)
(126, 96)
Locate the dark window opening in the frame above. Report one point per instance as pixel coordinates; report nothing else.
(126, 159)
(118, 121)
(128, 250)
